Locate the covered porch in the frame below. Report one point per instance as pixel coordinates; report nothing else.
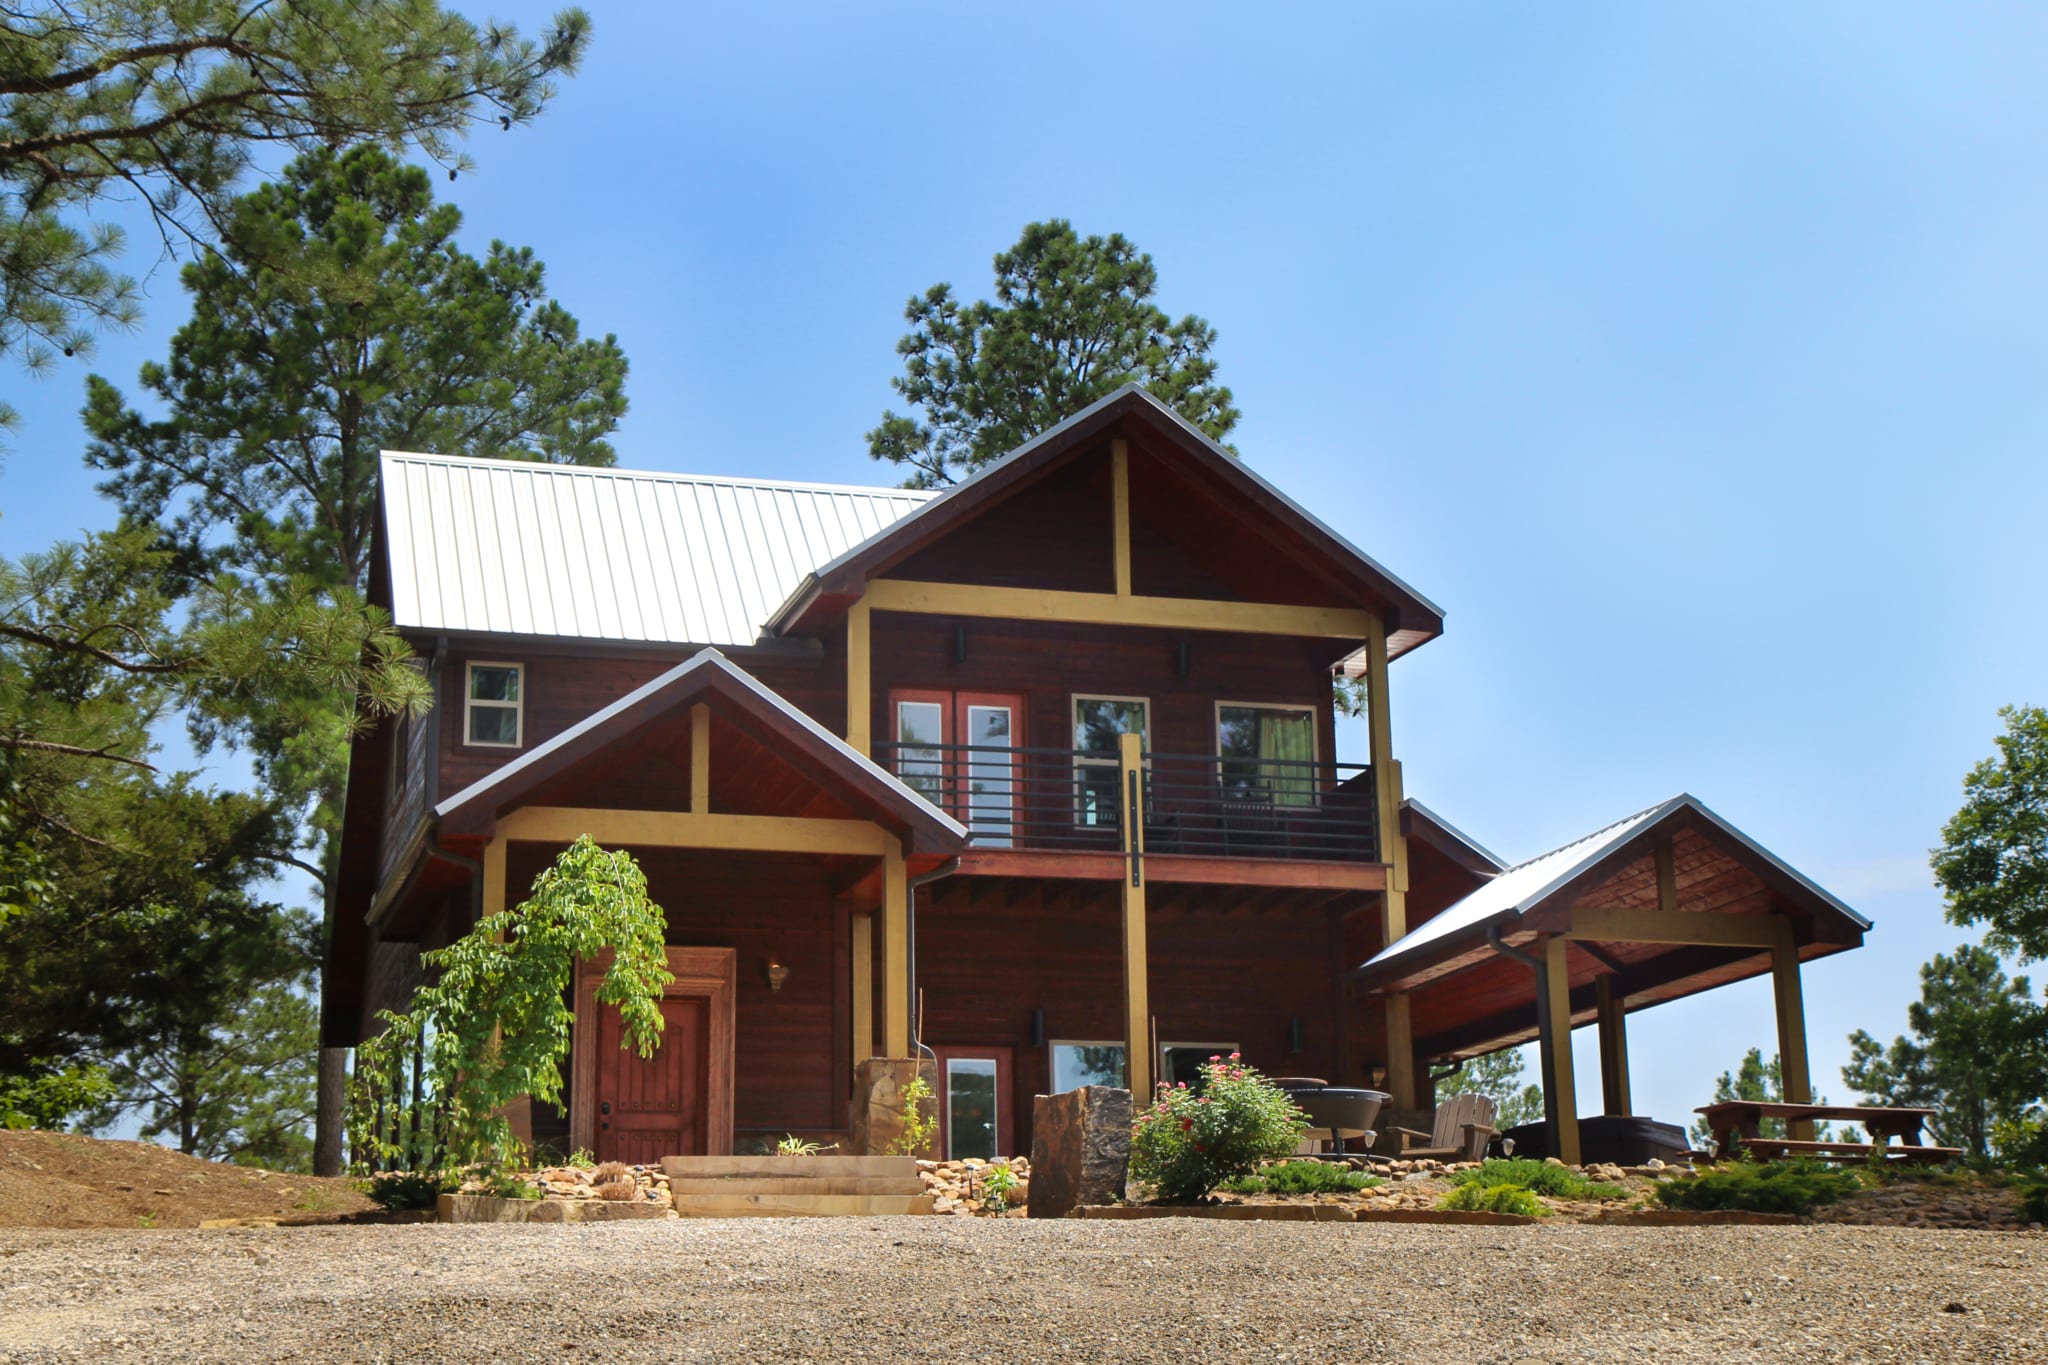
(1667, 903)
(785, 863)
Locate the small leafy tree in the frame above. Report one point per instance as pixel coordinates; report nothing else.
(1188, 1143)
(1993, 859)
(493, 1026)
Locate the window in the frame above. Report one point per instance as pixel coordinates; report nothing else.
(1098, 722)
(1268, 753)
(1077, 1064)
(1182, 1062)
(971, 1108)
(493, 715)
(958, 751)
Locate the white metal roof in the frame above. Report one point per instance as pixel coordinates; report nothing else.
(521, 548)
(1525, 885)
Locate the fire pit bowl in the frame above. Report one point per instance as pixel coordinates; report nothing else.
(1339, 1110)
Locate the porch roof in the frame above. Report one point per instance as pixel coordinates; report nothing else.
(1470, 998)
(735, 695)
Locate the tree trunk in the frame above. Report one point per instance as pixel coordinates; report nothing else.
(327, 1111)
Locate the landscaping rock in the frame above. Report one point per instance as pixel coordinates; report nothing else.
(1080, 1149)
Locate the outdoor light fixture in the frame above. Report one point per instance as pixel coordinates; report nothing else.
(959, 644)
(1294, 1034)
(1038, 1028)
(777, 974)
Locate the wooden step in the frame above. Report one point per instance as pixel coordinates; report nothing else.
(795, 1184)
(800, 1205)
(818, 1167)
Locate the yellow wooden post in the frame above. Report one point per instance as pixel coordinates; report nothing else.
(700, 759)
(1791, 1026)
(1613, 1046)
(1386, 774)
(859, 701)
(1557, 983)
(518, 1112)
(863, 953)
(895, 951)
(1137, 995)
(1667, 878)
(1120, 504)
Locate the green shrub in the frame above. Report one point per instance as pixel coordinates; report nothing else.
(1795, 1186)
(1555, 1182)
(505, 1185)
(1315, 1177)
(408, 1189)
(1477, 1198)
(2034, 1202)
(997, 1186)
(1186, 1144)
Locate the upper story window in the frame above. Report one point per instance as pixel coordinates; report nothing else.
(1268, 753)
(1099, 722)
(493, 716)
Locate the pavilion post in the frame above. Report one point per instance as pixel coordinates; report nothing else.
(1792, 1065)
(1614, 1094)
(1554, 1026)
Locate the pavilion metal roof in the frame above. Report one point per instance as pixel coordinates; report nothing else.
(523, 548)
(1505, 899)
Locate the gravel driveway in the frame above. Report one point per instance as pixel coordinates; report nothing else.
(1008, 1291)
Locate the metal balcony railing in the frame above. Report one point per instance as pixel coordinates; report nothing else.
(1201, 804)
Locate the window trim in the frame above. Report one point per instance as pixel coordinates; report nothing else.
(470, 702)
(1315, 745)
(1101, 761)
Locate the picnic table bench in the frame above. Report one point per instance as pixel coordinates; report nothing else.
(1737, 1125)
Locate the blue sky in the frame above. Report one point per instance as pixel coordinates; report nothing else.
(1690, 357)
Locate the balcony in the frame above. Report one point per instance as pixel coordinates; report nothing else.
(1196, 805)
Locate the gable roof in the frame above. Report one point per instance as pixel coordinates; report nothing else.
(1420, 822)
(1417, 618)
(1502, 903)
(522, 548)
(709, 675)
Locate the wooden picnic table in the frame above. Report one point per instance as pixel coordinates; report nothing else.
(1737, 1125)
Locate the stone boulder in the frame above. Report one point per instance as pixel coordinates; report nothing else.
(1080, 1149)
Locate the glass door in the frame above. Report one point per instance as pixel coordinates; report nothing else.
(990, 723)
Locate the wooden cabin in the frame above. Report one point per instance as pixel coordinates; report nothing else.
(1036, 778)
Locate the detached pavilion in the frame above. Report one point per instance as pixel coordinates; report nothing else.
(1666, 903)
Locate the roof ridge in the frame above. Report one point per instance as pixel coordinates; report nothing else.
(667, 475)
(1610, 826)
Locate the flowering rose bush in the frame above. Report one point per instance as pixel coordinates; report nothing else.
(1188, 1143)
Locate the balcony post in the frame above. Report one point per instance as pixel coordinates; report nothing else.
(1393, 851)
(1137, 1000)
(860, 707)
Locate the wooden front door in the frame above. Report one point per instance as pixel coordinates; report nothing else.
(652, 1107)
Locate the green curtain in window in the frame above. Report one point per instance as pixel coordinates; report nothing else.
(1286, 748)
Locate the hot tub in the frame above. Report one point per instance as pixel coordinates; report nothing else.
(1617, 1139)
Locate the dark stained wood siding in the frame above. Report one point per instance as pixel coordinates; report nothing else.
(985, 966)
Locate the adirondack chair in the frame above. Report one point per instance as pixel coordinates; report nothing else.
(1464, 1123)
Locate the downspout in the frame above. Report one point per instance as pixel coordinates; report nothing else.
(1547, 1050)
(945, 869)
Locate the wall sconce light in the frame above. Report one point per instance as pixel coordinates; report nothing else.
(1038, 1028)
(959, 644)
(1294, 1034)
(1376, 1077)
(777, 974)
(1180, 660)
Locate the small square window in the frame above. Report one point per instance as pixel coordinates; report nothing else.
(494, 705)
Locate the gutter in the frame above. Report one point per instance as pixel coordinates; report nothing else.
(943, 870)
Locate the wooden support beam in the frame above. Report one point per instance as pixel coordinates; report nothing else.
(1137, 994)
(860, 707)
(1608, 961)
(687, 829)
(1557, 1048)
(1614, 1094)
(895, 952)
(1386, 776)
(863, 960)
(1791, 1003)
(700, 759)
(1667, 878)
(1400, 1053)
(1120, 508)
(1671, 926)
(1109, 609)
